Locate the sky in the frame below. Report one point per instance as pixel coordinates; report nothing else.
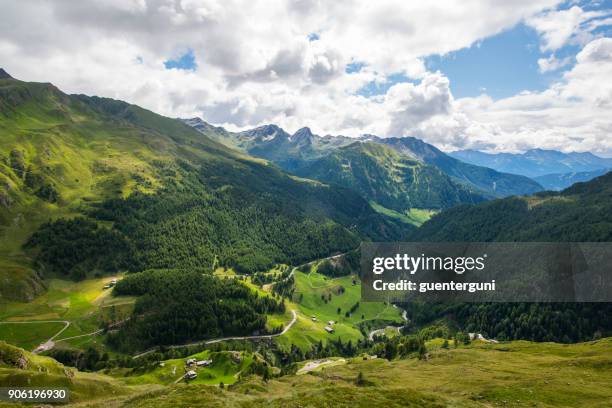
(474, 74)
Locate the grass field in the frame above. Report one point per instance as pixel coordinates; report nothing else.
(312, 298)
(84, 304)
(28, 335)
(516, 374)
(414, 216)
(225, 368)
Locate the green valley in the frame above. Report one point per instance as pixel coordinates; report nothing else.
(133, 174)
(132, 244)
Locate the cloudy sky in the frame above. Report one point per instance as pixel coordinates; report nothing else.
(484, 74)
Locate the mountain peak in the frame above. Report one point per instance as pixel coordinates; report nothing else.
(201, 125)
(266, 132)
(4, 74)
(302, 134)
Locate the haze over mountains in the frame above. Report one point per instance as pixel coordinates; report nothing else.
(553, 169)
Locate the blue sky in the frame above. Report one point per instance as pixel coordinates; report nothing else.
(186, 61)
(500, 66)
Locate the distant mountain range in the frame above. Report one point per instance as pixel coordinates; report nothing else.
(397, 173)
(538, 162)
(560, 181)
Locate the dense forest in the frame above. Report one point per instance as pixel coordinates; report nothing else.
(247, 218)
(581, 213)
(340, 266)
(177, 306)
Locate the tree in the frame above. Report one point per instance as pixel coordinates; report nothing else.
(360, 380)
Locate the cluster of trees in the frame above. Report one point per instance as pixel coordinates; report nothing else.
(260, 279)
(558, 322)
(89, 359)
(178, 306)
(74, 247)
(341, 266)
(285, 287)
(400, 347)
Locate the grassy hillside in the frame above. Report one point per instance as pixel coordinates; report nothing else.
(19, 368)
(518, 374)
(320, 296)
(388, 178)
(64, 156)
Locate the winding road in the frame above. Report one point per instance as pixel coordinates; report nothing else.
(47, 345)
(198, 343)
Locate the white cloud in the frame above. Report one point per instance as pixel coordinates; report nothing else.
(552, 63)
(573, 25)
(410, 105)
(572, 115)
(256, 64)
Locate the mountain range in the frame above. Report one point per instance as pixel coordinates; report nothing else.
(553, 169)
(397, 173)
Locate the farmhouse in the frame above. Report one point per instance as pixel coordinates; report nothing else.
(190, 375)
(330, 323)
(203, 363)
(329, 329)
(313, 318)
(190, 361)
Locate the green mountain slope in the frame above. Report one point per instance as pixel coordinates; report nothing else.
(581, 213)
(484, 179)
(164, 194)
(388, 178)
(19, 368)
(293, 152)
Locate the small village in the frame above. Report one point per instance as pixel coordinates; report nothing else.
(327, 328)
(191, 364)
